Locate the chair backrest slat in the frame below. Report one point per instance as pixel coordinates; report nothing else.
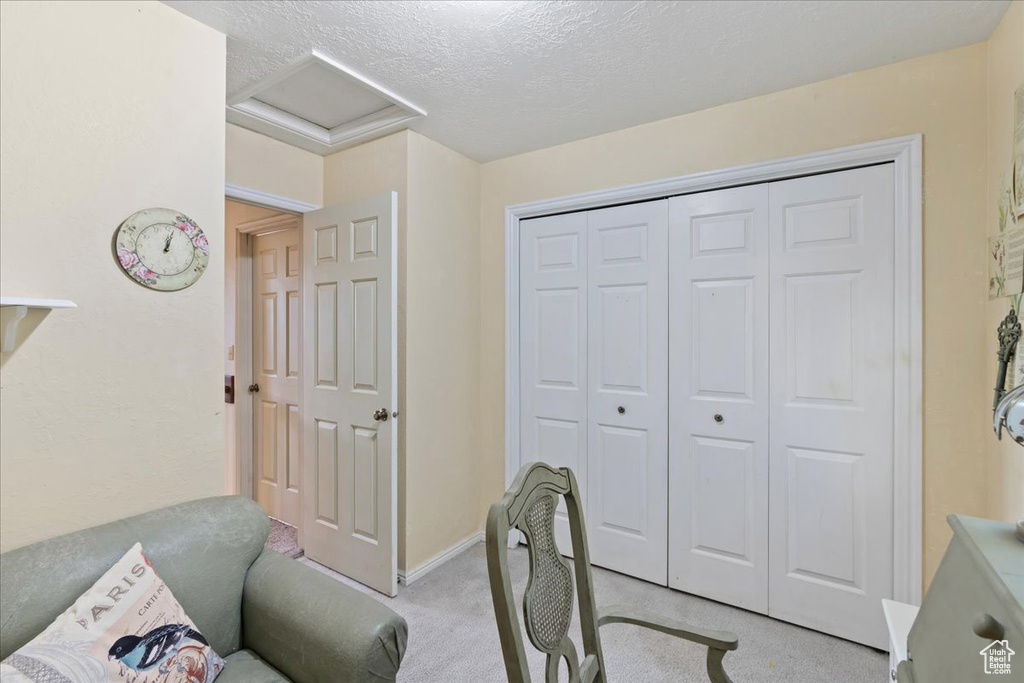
(529, 506)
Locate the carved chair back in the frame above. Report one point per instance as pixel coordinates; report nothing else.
(529, 506)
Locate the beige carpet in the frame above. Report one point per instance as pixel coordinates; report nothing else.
(284, 538)
(453, 639)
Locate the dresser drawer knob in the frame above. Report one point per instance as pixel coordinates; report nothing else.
(988, 627)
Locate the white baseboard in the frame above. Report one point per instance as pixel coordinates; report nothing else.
(407, 577)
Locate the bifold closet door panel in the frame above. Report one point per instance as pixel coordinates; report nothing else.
(627, 360)
(718, 405)
(831, 337)
(553, 348)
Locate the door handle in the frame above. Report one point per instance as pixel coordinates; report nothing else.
(254, 388)
(380, 415)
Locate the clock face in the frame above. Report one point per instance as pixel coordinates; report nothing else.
(162, 249)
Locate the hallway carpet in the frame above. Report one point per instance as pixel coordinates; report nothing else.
(453, 638)
(284, 538)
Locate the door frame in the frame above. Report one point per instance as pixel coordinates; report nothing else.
(243, 313)
(244, 372)
(905, 153)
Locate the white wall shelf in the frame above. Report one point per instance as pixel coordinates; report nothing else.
(15, 308)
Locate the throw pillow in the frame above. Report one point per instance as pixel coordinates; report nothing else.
(126, 628)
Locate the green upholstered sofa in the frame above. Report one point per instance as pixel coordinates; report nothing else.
(270, 617)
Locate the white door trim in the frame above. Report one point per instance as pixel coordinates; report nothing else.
(905, 153)
(272, 201)
(244, 234)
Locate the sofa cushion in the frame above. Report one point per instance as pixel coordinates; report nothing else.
(245, 666)
(201, 549)
(127, 626)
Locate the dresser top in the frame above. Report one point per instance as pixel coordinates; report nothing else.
(998, 554)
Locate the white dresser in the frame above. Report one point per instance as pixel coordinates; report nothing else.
(971, 623)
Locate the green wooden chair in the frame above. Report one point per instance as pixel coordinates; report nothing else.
(529, 506)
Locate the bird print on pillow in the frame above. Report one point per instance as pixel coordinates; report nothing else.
(142, 653)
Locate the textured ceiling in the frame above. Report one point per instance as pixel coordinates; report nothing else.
(499, 78)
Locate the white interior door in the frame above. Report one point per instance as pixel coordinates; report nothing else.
(832, 345)
(276, 315)
(553, 349)
(350, 389)
(718, 408)
(627, 392)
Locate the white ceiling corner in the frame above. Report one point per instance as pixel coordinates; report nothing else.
(320, 105)
(503, 77)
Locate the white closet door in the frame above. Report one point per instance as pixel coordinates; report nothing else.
(553, 348)
(627, 320)
(718, 360)
(832, 401)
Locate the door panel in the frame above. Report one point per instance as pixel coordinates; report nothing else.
(832, 401)
(627, 397)
(351, 317)
(268, 442)
(276, 329)
(821, 355)
(363, 487)
(718, 365)
(294, 455)
(622, 456)
(326, 457)
(553, 353)
(726, 470)
(325, 337)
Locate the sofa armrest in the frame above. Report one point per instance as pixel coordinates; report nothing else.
(315, 629)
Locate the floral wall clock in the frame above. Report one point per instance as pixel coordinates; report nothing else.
(162, 249)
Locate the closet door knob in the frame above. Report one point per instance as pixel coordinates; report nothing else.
(622, 410)
(718, 418)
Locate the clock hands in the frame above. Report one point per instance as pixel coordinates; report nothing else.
(167, 242)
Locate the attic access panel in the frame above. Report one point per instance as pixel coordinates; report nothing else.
(320, 105)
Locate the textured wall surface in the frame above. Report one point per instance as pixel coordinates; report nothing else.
(942, 96)
(1005, 463)
(115, 407)
(442, 351)
(500, 78)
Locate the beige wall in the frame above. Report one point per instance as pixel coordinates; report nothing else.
(1004, 466)
(442, 352)
(235, 214)
(257, 162)
(115, 407)
(942, 96)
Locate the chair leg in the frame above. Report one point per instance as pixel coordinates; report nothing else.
(715, 670)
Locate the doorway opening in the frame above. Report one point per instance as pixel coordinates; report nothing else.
(313, 371)
(263, 339)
